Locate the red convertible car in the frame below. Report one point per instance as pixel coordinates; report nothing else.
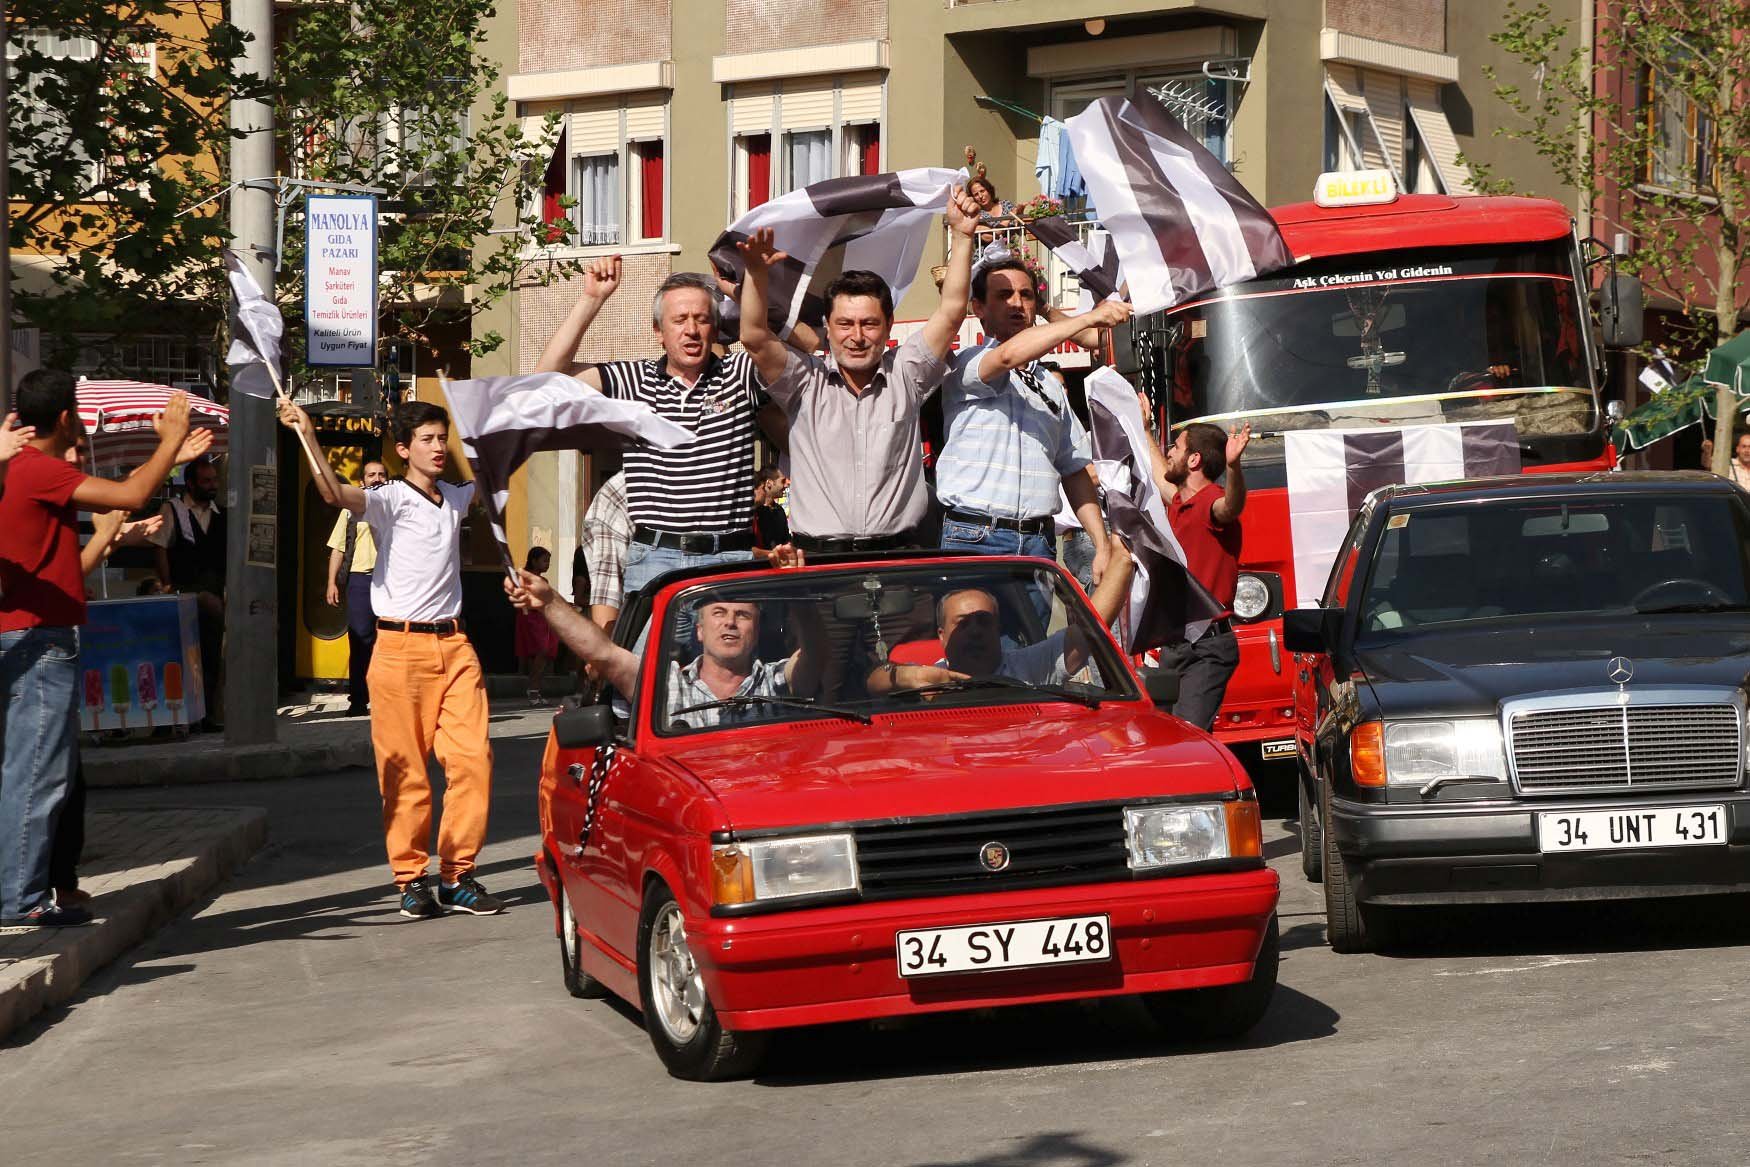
(893, 785)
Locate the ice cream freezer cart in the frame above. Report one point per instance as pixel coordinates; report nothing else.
(140, 664)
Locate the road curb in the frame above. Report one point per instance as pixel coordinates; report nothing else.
(129, 915)
(242, 764)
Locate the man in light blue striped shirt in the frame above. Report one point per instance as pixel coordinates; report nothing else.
(1011, 438)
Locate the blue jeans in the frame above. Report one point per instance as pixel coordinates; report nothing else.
(644, 563)
(1078, 558)
(959, 536)
(39, 692)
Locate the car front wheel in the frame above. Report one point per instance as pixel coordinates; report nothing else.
(678, 1014)
(1225, 1011)
(1350, 925)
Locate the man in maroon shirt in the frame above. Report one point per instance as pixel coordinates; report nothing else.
(1205, 514)
(42, 604)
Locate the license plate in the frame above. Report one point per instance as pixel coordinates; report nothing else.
(1610, 830)
(1277, 749)
(981, 947)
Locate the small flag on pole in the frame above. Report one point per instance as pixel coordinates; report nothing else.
(1331, 473)
(1183, 225)
(1167, 604)
(260, 324)
(869, 222)
(503, 420)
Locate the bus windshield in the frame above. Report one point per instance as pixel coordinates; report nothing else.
(1362, 341)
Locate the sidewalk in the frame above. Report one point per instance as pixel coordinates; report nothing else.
(312, 739)
(142, 867)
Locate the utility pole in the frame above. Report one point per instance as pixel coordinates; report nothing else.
(251, 623)
(6, 233)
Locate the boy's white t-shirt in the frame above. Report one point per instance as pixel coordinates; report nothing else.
(419, 550)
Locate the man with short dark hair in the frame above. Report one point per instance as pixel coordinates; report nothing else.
(352, 556)
(856, 446)
(690, 505)
(42, 605)
(191, 543)
(1205, 517)
(428, 694)
(770, 524)
(1011, 438)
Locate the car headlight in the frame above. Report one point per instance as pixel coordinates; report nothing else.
(1418, 752)
(780, 869)
(1178, 833)
(1251, 597)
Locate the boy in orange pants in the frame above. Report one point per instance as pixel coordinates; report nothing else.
(427, 691)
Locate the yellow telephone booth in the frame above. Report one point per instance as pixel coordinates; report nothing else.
(349, 436)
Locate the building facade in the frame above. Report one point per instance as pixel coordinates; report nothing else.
(678, 115)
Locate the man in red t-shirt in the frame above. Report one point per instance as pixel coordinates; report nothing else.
(42, 604)
(1205, 514)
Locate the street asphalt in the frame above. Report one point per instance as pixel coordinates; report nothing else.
(296, 1018)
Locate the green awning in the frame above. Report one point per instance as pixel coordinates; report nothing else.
(1692, 402)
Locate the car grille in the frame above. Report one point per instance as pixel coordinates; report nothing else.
(1053, 845)
(1616, 747)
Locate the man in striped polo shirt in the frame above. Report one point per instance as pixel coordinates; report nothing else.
(689, 506)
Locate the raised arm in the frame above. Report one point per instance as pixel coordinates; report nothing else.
(1227, 508)
(944, 325)
(601, 279)
(576, 631)
(1030, 344)
(13, 438)
(1108, 599)
(334, 492)
(762, 344)
(175, 443)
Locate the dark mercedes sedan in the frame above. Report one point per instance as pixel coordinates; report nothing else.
(1527, 689)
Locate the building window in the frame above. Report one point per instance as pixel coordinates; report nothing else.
(1678, 136)
(753, 164)
(862, 149)
(1421, 173)
(595, 184)
(1204, 105)
(53, 133)
(807, 158)
(647, 166)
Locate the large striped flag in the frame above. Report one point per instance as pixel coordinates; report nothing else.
(1331, 472)
(1167, 604)
(503, 420)
(870, 222)
(1183, 225)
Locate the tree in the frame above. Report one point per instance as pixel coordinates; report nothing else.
(117, 133)
(388, 94)
(1663, 166)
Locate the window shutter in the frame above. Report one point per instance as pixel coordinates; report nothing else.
(750, 109)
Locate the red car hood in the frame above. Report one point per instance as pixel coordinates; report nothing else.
(954, 762)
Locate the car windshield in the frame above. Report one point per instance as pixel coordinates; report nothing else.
(858, 643)
(1506, 561)
(1449, 336)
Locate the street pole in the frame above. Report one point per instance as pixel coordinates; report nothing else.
(251, 676)
(6, 234)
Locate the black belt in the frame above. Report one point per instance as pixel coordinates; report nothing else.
(1043, 525)
(842, 543)
(694, 544)
(435, 627)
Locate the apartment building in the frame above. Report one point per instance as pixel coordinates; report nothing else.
(678, 115)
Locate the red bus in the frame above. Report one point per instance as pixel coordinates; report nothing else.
(1418, 310)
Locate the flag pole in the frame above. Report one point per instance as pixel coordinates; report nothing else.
(488, 500)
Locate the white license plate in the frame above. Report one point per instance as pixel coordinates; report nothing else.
(1282, 748)
(1610, 830)
(981, 947)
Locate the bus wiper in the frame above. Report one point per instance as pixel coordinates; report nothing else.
(1061, 692)
(1693, 606)
(746, 700)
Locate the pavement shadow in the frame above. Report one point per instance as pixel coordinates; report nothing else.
(1029, 1036)
(1058, 1149)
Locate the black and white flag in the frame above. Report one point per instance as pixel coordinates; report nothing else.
(1182, 223)
(503, 420)
(870, 222)
(1331, 473)
(1097, 271)
(1167, 604)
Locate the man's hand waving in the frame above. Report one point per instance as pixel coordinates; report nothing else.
(601, 278)
(1238, 438)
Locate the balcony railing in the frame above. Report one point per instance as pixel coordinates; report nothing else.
(1062, 288)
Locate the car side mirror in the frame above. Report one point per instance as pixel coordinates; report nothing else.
(1621, 308)
(585, 727)
(1162, 686)
(1312, 630)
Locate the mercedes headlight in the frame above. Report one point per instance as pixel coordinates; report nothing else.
(781, 869)
(1195, 832)
(1251, 597)
(1418, 752)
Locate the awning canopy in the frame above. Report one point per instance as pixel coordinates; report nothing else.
(1688, 404)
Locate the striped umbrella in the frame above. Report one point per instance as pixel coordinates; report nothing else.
(118, 420)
